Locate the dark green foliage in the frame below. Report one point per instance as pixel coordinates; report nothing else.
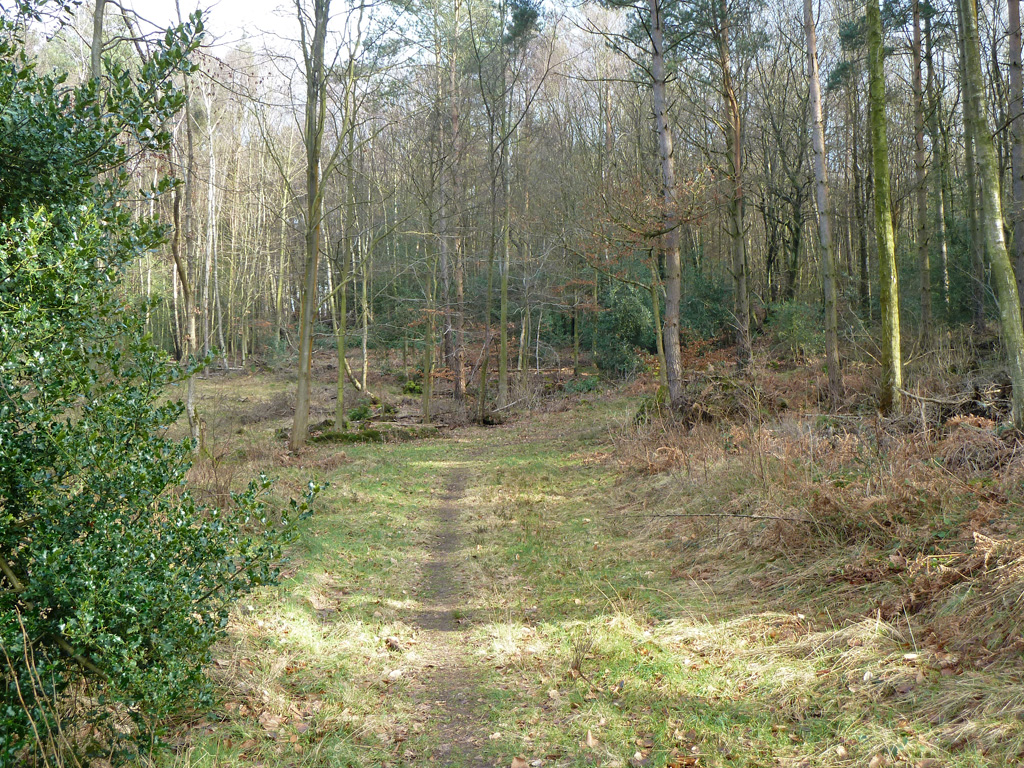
(111, 575)
(704, 311)
(582, 385)
(795, 329)
(360, 412)
(524, 21)
(624, 329)
(373, 435)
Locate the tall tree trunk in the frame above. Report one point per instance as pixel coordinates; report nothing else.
(976, 113)
(503, 267)
(341, 333)
(860, 214)
(313, 134)
(522, 359)
(183, 231)
(835, 380)
(656, 317)
(923, 245)
(892, 366)
(576, 335)
(1017, 132)
(279, 321)
(737, 230)
(96, 48)
(670, 239)
(189, 340)
(452, 273)
(364, 305)
(971, 171)
(460, 335)
(938, 164)
(428, 345)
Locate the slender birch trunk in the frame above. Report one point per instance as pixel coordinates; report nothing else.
(659, 340)
(736, 228)
(892, 366)
(938, 166)
(923, 235)
(96, 48)
(835, 379)
(670, 239)
(971, 171)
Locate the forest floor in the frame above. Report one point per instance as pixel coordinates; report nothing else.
(504, 596)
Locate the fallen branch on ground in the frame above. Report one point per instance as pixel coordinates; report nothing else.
(722, 514)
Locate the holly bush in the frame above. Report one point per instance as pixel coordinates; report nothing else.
(114, 581)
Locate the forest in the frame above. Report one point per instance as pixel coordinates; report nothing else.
(511, 383)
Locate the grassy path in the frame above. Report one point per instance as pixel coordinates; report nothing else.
(473, 600)
(448, 682)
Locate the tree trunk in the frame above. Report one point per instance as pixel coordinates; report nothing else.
(892, 367)
(976, 113)
(971, 171)
(188, 347)
(576, 335)
(522, 359)
(737, 232)
(313, 133)
(364, 304)
(341, 333)
(428, 347)
(835, 380)
(1017, 133)
(656, 312)
(669, 240)
(503, 267)
(923, 245)
(860, 214)
(938, 166)
(96, 48)
(460, 335)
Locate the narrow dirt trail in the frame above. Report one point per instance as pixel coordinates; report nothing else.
(448, 688)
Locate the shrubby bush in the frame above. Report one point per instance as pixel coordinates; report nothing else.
(705, 309)
(624, 329)
(796, 329)
(114, 581)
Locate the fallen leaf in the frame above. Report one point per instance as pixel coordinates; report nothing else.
(591, 742)
(520, 762)
(878, 761)
(495, 736)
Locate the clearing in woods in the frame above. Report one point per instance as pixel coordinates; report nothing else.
(482, 600)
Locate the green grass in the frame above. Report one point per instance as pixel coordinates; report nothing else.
(580, 622)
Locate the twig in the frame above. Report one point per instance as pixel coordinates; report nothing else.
(9, 573)
(922, 398)
(723, 514)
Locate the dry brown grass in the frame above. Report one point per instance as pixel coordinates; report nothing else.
(909, 520)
